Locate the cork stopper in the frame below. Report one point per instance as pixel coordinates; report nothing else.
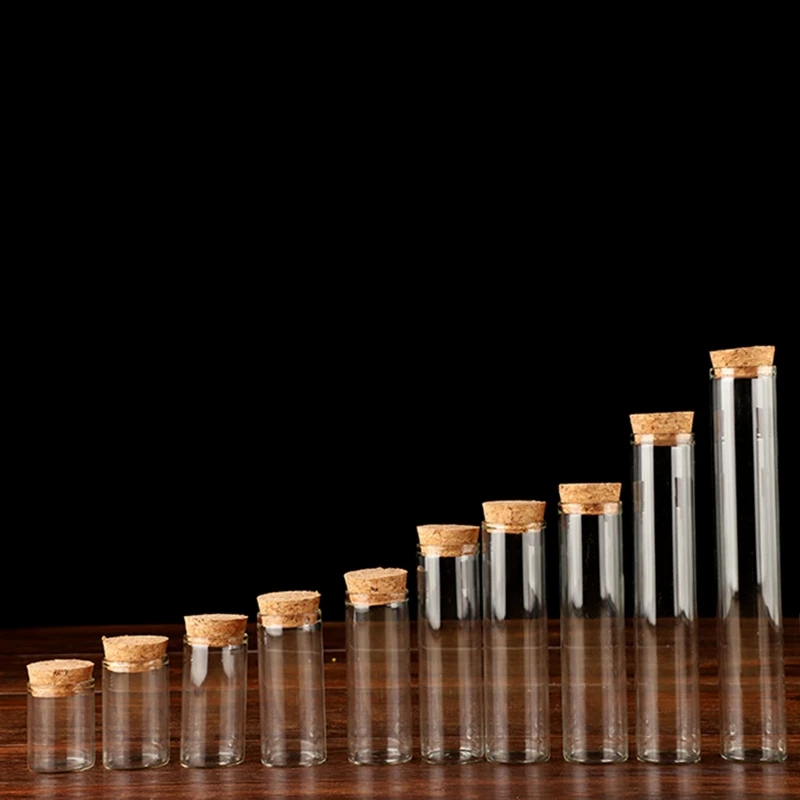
(288, 609)
(134, 653)
(662, 429)
(216, 630)
(742, 362)
(376, 587)
(516, 516)
(58, 678)
(448, 540)
(590, 498)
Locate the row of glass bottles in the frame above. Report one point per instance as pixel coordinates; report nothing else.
(135, 713)
(512, 682)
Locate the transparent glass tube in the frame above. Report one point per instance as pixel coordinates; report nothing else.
(516, 683)
(593, 681)
(449, 636)
(667, 680)
(292, 692)
(750, 626)
(213, 703)
(61, 729)
(135, 714)
(378, 683)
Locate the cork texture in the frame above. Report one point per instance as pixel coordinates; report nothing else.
(216, 630)
(58, 677)
(668, 423)
(762, 356)
(289, 609)
(448, 540)
(134, 653)
(516, 516)
(591, 509)
(376, 587)
(589, 493)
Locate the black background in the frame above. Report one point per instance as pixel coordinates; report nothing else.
(227, 438)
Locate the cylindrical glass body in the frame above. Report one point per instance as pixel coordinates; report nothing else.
(378, 683)
(516, 685)
(292, 692)
(667, 681)
(750, 626)
(593, 681)
(449, 637)
(135, 714)
(213, 703)
(61, 730)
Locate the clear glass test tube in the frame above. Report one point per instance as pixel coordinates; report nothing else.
(291, 679)
(60, 715)
(665, 619)
(515, 647)
(593, 680)
(135, 702)
(449, 638)
(214, 696)
(378, 667)
(750, 625)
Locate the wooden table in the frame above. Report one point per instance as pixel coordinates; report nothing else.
(711, 778)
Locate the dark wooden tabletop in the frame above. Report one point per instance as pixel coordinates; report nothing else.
(712, 777)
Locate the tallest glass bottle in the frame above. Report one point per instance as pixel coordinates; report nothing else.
(750, 627)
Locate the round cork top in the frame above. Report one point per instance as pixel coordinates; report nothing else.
(448, 540)
(216, 630)
(590, 498)
(289, 609)
(134, 653)
(376, 587)
(742, 362)
(665, 428)
(59, 677)
(516, 516)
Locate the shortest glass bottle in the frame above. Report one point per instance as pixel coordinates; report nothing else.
(135, 702)
(60, 715)
(378, 667)
(290, 679)
(214, 696)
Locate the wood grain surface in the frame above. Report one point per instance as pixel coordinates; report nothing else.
(712, 777)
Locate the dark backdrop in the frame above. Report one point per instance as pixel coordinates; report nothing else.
(189, 453)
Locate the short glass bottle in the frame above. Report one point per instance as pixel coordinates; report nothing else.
(515, 640)
(377, 636)
(593, 680)
(135, 702)
(291, 679)
(60, 715)
(214, 696)
(449, 636)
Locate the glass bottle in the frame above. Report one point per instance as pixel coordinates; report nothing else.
(214, 697)
(449, 636)
(291, 679)
(665, 619)
(750, 625)
(60, 715)
(593, 680)
(135, 702)
(516, 682)
(378, 667)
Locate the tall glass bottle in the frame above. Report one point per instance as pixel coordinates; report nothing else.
(214, 696)
(593, 680)
(135, 702)
(515, 653)
(449, 636)
(665, 619)
(750, 625)
(378, 667)
(291, 679)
